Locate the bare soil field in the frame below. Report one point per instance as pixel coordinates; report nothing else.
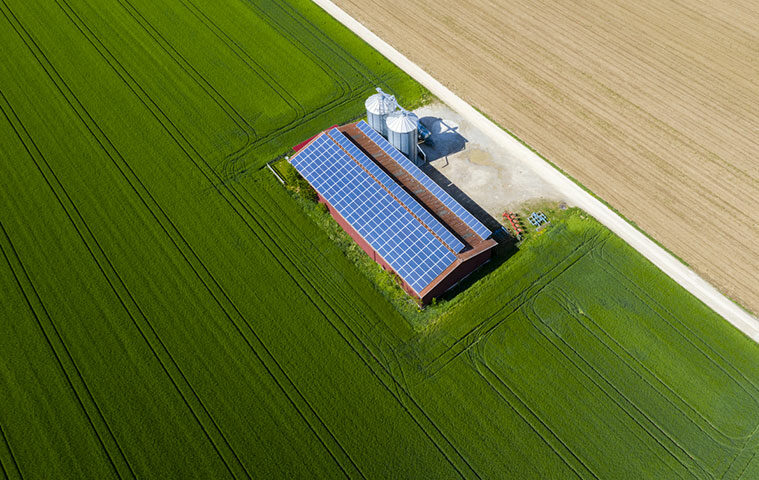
(653, 105)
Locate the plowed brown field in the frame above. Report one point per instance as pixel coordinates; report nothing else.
(652, 104)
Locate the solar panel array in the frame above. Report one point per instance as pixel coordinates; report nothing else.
(426, 181)
(404, 243)
(398, 191)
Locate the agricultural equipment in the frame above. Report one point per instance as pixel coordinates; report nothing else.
(537, 219)
(514, 221)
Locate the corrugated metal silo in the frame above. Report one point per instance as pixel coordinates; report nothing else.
(402, 132)
(378, 107)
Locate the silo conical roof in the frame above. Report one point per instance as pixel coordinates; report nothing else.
(381, 103)
(402, 121)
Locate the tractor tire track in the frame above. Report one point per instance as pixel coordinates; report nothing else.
(651, 302)
(16, 470)
(271, 245)
(492, 322)
(564, 299)
(68, 367)
(560, 297)
(740, 475)
(574, 357)
(207, 86)
(232, 200)
(287, 97)
(184, 64)
(523, 410)
(347, 91)
(326, 41)
(383, 375)
(350, 301)
(112, 277)
(84, 233)
(211, 91)
(735, 463)
(522, 296)
(373, 333)
(180, 143)
(345, 87)
(639, 293)
(192, 73)
(255, 350)
(216, 291)
(301, 115)
(211, 289)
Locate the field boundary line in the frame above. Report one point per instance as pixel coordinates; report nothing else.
(657, 255)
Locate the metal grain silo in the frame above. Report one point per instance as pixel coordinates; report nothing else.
(378, 107)
(402, 132)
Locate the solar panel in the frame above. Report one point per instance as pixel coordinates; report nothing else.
(405, 244)
(398, 191)
(428, 183)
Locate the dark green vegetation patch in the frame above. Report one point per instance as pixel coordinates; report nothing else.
(166, 309)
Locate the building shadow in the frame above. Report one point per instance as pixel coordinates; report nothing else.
(444, 139)
(506, 248)
(507, 244)
(465, 200)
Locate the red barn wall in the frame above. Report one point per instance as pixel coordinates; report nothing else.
(462, 270)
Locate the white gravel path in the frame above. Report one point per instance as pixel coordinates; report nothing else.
(683, 275)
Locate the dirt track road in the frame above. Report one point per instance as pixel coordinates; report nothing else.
(653, 105)
(670, 265)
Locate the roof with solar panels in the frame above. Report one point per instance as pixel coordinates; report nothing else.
(417, 228)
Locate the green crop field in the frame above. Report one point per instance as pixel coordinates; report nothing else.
(167, 310)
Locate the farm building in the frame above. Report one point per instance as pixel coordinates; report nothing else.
(394, 211)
